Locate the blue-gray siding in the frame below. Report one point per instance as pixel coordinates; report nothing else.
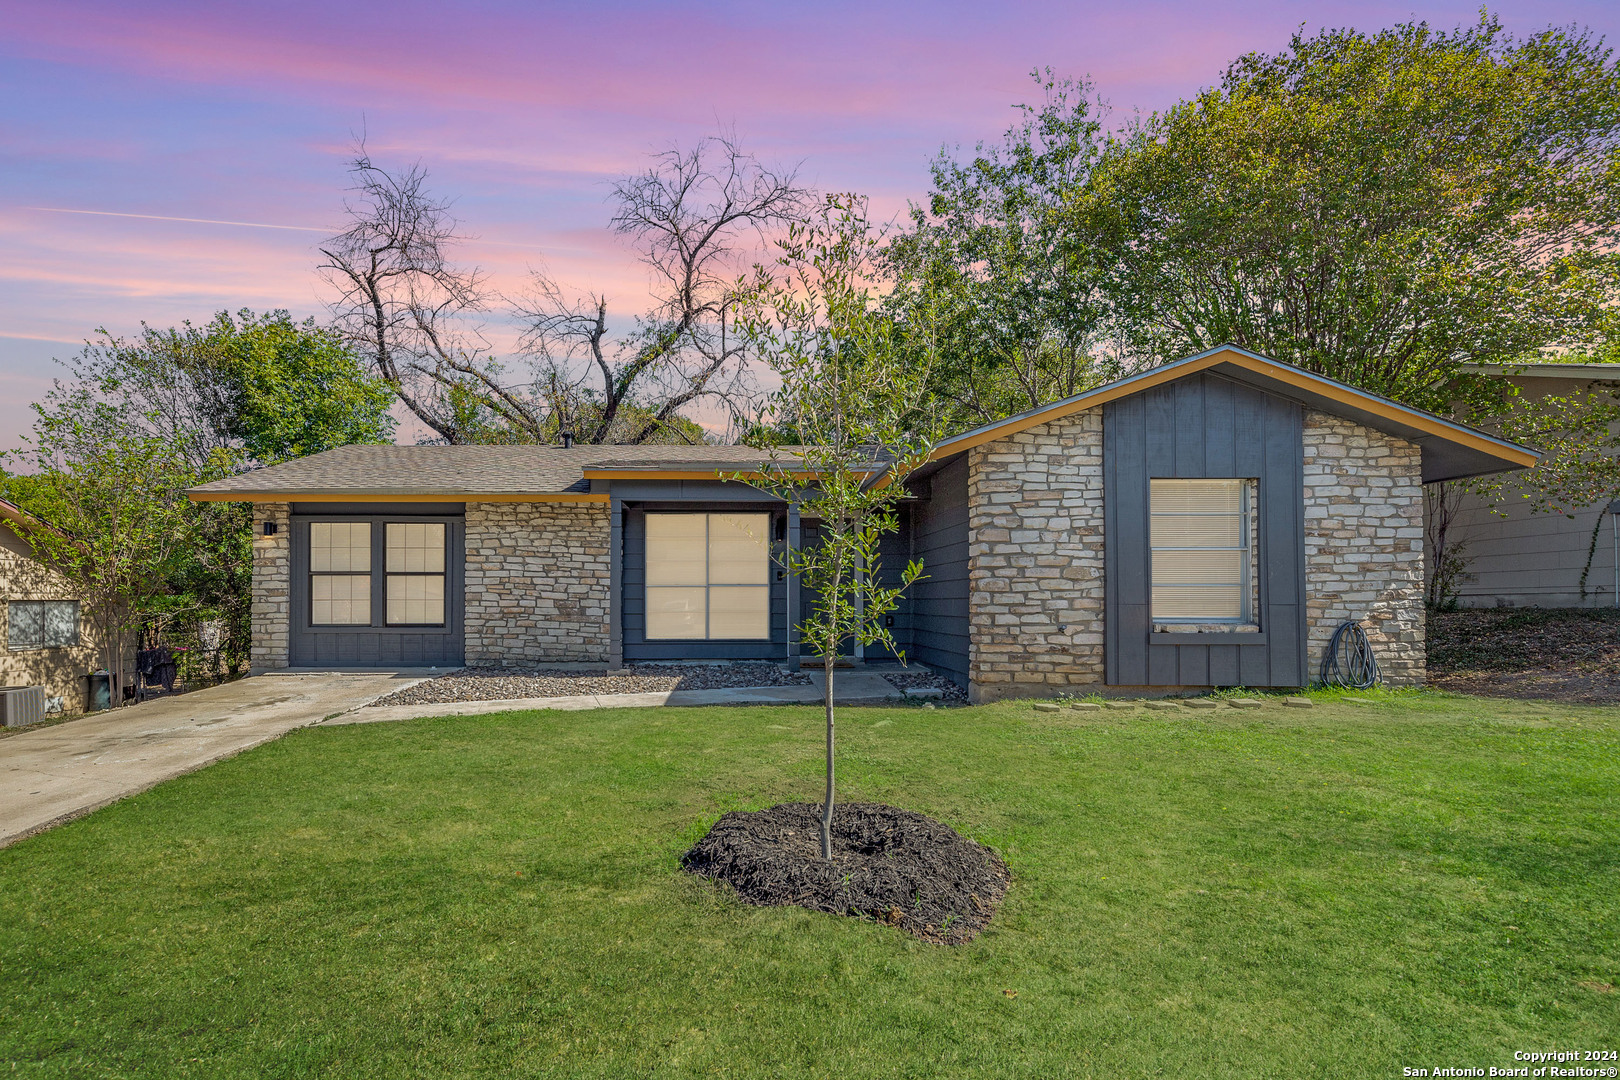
(377, 645)
(1204, 426)
(633, 592)
(938, 608)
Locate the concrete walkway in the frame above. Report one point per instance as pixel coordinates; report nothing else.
(57, 773)
(850, 688)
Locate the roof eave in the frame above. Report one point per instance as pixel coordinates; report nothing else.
(1486, 453)
(384, 495)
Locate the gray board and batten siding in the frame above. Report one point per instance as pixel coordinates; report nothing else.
(938, 604)
(633, 588)
(1204, 426)
(378, 645)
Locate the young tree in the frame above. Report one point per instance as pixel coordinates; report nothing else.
(112, 506)
(1019, 281)
(851, 390)
(1377, 208)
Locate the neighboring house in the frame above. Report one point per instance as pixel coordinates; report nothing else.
(1206, 523)
(47, 640)
(1519, 558)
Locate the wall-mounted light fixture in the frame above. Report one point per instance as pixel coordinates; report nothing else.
(269, 528)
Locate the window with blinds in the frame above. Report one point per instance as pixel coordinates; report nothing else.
(415, 569)
(1201, 550)
(708, 577)
(340, 573)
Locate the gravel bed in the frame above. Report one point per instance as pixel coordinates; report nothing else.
(501, 684)
(912, 680)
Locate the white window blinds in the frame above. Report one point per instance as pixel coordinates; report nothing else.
(1200, 548)
(708, 577)
(340, 573)
(415, 569)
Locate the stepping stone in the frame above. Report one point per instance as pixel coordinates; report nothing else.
(1085, 706)
(1359, 700)
(1046, 707)
(1245, 703)
(1163, 706)
(925, 693)
(1119, 704)
(1299, 703)
(1201, 703)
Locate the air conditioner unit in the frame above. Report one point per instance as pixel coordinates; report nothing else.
(21, 705)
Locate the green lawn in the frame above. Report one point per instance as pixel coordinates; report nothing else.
(1429, 880)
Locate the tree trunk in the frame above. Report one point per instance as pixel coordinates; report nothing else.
(828, 662)
(112, 652)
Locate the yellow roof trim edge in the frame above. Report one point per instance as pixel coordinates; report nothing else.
(388, 497)
(1227, 354)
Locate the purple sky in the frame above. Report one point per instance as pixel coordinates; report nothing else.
(523, 111)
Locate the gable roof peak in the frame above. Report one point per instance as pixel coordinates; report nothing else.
(1450, 450)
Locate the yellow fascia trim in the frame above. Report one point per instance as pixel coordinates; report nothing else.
(688, 474)
(1281, 373)
(370, 496)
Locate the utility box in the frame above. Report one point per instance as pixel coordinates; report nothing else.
(20, 705)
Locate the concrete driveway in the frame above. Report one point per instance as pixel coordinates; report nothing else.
(58, 773)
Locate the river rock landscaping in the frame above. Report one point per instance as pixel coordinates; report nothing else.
(925, 680)
(502, 684)
(889, 865)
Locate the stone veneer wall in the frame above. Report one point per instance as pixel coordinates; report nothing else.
(272, 587)
(1364, 543)
(537, 583)
(1035, 560)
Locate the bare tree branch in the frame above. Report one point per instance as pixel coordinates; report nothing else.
(694, 217)
(400, 299)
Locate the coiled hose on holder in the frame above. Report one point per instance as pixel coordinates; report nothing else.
(1349, 661)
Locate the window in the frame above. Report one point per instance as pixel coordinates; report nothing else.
(708, 576)
(1201, 550)
(340, 573)
(415, 568)
(42, 624)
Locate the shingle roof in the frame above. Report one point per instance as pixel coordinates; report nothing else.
(466, 470)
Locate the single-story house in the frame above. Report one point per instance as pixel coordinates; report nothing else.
(48, 640)
(1517, 556)
(1204, 523)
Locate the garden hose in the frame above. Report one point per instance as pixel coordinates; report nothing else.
(1349, 661)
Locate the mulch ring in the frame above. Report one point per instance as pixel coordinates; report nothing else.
(1553, 654)
(889, 865)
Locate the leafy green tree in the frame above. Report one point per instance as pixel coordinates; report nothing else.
(850, 388)
(114, 516)
(248, 390)
(1377, 208)
(1019, 287)
(241, 391)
